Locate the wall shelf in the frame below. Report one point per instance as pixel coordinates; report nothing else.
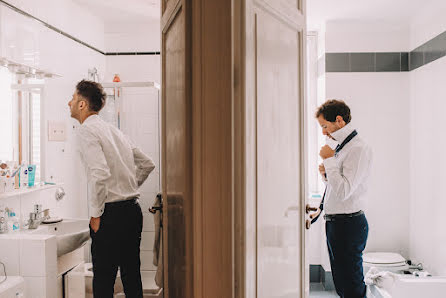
(18, 192)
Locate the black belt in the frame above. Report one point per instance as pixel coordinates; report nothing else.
(333, 217)
(122, 203)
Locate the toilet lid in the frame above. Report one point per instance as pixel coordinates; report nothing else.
(383, 258)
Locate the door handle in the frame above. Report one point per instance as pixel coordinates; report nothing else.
(308, 224)
(159, 208)
(308, 208)
(153, 209)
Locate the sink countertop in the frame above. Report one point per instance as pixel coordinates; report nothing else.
(44, 231)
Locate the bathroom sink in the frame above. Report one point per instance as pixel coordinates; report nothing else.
(70, 234)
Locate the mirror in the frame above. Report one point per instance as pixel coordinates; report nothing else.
(20, 133)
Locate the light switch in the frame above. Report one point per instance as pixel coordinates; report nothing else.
(56, 131)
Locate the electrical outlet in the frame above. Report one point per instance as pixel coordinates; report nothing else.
(56, 131)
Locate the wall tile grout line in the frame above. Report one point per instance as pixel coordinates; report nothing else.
(401, 59)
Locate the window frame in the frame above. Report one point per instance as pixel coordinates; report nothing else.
(27, 142)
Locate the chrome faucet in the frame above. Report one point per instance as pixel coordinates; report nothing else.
(36, 217)
(418, 267)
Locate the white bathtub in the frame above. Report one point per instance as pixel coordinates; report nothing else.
(407, 286)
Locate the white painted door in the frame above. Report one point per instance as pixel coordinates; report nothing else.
(275, 108)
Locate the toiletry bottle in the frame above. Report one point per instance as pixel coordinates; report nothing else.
(16, 174)
(9, 184)
(31, 175)
(13, 222)
(24, 175)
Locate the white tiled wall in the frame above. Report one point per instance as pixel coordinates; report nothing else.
(427, 106)
(401, 115)
(141, 113)
(140, 108)
(33, 258)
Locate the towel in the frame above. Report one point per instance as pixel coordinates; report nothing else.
(383, 279)
(157, 244)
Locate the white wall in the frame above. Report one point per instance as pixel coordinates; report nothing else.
(133, 37)
(67, 16)
(23, 37)
(380, 104)
(426, 122)
(400, 114)
(359, 36)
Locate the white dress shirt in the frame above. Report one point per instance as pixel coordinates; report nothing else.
(115, 166)
(347, 174)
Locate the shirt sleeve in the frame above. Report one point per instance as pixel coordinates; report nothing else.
(345, 179)
(144, 165)
(98, 170)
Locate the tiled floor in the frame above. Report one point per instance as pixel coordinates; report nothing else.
(317, 291)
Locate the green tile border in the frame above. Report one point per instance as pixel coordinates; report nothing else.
(428, 52)
(366, 62)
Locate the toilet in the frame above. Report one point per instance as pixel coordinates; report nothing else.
(384, 261)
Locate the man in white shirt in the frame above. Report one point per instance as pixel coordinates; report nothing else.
(115, 170)
(345, 171)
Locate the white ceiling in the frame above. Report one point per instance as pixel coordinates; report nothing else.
(123, 11)
(394, 11)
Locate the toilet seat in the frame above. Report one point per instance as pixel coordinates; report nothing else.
(385, 260)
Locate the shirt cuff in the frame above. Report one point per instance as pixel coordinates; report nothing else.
(330, 163)
(96, 212)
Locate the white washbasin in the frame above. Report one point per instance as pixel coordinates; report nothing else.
(70, 234)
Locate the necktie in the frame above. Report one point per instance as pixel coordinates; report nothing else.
(337, 149)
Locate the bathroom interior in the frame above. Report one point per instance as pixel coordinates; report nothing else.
(384, 58)
(46, 47)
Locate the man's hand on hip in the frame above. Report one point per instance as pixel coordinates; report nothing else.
(95, 223)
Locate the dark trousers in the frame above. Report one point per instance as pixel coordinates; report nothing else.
(116, 244)
(346, 240)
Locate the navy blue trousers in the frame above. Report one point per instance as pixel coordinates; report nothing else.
(116, 244)
(346, 240)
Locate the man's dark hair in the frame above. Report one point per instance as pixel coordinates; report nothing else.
(333, 108)
(93, 93)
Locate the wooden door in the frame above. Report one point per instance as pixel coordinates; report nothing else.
(197, 148)
(176, 149)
